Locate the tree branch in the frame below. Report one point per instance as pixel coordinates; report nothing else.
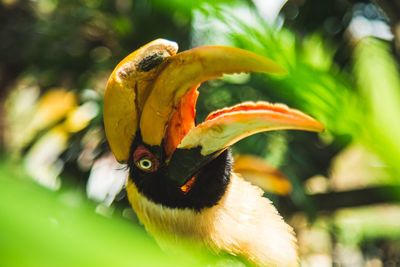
(353, 198)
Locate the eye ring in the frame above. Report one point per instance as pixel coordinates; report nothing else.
(145, 164)
(144, 160)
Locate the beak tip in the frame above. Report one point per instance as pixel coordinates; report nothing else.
(282, 71)
(320, 127)
(314, 126)
(277, 69)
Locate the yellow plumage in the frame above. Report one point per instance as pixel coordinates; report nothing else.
(243, 223)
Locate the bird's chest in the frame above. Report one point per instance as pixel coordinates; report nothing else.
(242, 223)
(171, 226)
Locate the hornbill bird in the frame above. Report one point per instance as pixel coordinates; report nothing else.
(181, 183)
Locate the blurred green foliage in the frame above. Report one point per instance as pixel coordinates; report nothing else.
(348, 82)
(43, 228)
(379, 85)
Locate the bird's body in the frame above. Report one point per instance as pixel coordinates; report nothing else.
(181, 183)
(242, 223)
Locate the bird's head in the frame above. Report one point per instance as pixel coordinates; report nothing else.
(149, 117)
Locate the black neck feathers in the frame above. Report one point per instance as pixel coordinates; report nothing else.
(209, 186)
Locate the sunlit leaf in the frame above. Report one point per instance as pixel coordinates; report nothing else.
(379, 83)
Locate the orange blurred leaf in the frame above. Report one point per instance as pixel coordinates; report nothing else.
(257, 171)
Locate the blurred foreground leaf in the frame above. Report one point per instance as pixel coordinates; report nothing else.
(43, 228)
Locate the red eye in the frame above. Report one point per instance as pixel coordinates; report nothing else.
(145, 160)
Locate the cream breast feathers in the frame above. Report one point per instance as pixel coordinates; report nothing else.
(242, 223)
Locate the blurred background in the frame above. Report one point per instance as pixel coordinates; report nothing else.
(62, 201)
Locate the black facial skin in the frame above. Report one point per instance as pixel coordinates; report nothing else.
(209, 186)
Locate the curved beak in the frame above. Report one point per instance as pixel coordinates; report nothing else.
(162, 92)
(225, 127)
